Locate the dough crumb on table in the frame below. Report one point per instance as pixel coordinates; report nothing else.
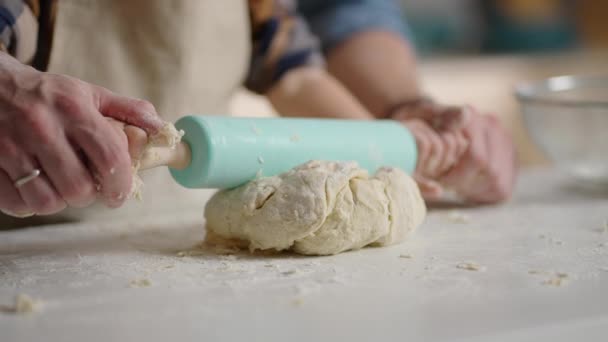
(228, 257)
(196, 251)
(604, 228)
(551, 278)
(138, 283)
(23, 305)
(405, 256)
(289, 272)
(456, 216)
(470, 266)
(557, 279)
(318, 208)
(298, 302)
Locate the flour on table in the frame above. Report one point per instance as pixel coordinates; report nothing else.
(318, 208)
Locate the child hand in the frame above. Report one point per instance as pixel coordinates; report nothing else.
(486, 172)
(480, 169)
(438, 152)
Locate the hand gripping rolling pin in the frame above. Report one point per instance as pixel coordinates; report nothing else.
(225, 152)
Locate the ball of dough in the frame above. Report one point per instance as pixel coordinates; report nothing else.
(319, 208)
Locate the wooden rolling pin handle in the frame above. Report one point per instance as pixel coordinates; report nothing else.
(176, 158)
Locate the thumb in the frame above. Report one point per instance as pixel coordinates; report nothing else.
(429, 189)
(438, 116)
(135, 112)
(445, 118)
(453, 117)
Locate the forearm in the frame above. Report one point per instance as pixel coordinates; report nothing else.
(378, 68)
(312, 92)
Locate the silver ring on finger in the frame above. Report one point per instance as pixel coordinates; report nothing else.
(27, 178)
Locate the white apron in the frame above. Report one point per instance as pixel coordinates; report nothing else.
(184, 56)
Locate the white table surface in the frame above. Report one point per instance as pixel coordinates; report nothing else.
(82, 274)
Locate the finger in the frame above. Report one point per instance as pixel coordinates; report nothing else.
(436, 155)
(425, 111)
(440, 117)
(429, 189)
(137, 139)
(500, 174)
(51, 149)
(107, 150)
(41, 197)
(463, 178)
(489, 177)
(67, 173)
(132, 111)
(450, 154)
(11, 202)
(474, 160)
(117, 125)
(462, 144)
(452, 118)
(423, 147)
(38, 194)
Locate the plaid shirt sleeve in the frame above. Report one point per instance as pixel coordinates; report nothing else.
(281, 42)
(18, 29)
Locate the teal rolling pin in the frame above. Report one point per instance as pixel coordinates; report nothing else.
(225, 152)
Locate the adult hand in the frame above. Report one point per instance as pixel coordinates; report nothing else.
(58, 124)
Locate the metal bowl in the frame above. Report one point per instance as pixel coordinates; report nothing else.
(567, 116)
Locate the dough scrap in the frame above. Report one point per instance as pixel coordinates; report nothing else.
(167, 136)
(470, 266)
(140, 283)
(24, 305)
(318, 208)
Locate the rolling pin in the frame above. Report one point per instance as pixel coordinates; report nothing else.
(225, 152)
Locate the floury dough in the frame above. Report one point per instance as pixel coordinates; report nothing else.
(167, 136)
(318, 208)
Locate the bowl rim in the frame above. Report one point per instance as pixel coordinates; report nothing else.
(532, 92)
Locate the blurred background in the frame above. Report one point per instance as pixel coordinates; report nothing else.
(477, 51)
(506, 26)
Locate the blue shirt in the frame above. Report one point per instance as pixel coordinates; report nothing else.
(334, 21)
